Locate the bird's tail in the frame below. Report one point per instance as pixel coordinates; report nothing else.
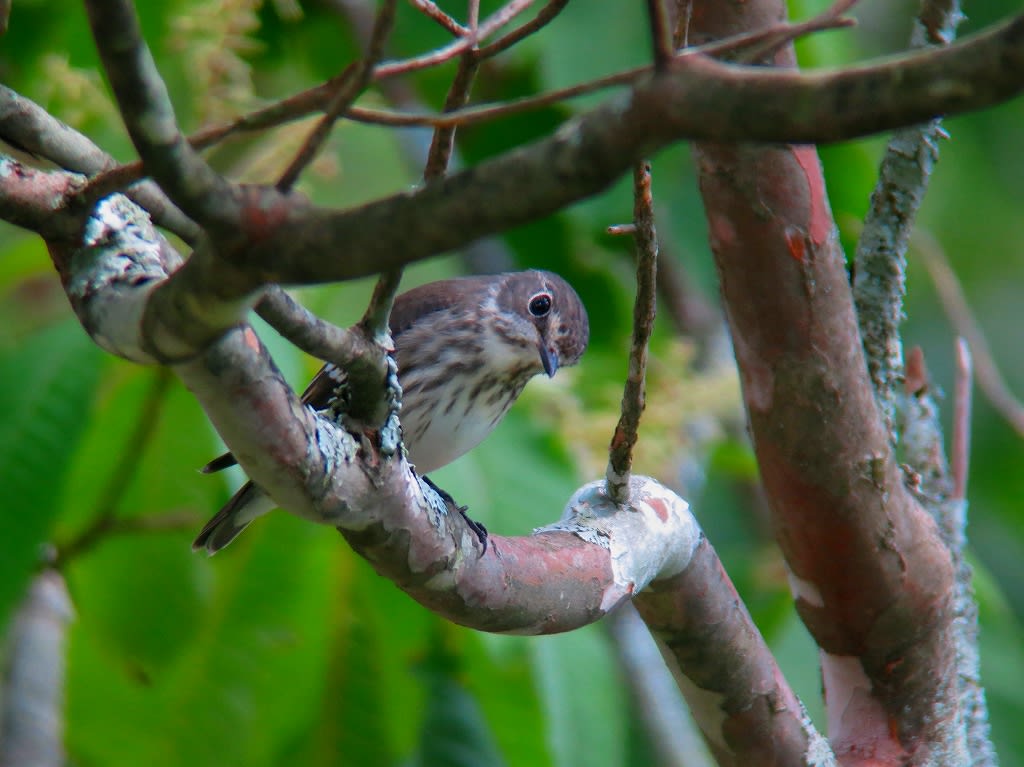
(245, 505)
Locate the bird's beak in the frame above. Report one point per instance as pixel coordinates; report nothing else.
(549, 359)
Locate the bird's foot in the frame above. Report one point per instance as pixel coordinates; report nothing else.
(478, 529)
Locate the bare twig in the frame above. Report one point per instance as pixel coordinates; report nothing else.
(431, 10)
(661, 34)
(168, 522)
(538, 22)
(657, 701)
(142, 98)
(683, 12)
(349, 88)
(104, 516)
(485, 256)
(375, 320)
(620, 454)
(782, 35)
(951, 294)
(487, 27)
(880, 278)
(311, 334)
(443, 142)
(960, 450)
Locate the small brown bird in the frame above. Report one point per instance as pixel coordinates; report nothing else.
(465, 348)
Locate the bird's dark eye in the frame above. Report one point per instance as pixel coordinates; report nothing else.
(540, 304)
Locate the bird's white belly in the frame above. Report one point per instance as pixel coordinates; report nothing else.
(437, 436)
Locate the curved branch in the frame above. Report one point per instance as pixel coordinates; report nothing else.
(290, 242)
(146, 108)
(27, 125)
(703, 98)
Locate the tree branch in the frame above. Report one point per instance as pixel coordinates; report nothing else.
(620, 452)
(872, 578)
(32, 721)
(146, 108)
(589, 153)
(736, 692)
(25, 124)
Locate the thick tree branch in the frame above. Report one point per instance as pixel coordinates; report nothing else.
(739, 697)
(703, 98)
(872, 577)
(565, 575)
(27, 125)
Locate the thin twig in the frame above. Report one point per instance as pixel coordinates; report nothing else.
(620, 453)
(443, 142)
(487, 27)
(831, 18)
(301, 105)
(683, 15)
(659, 705)
(960, 449)
(431, 10)
(544, 17)
(661, 35)
(375, 320)
(348, 90)
(951, 295)
(378, 311)
(188, 180)
(104, 517)
(168, 522)
(304, 330)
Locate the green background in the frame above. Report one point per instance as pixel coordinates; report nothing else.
(286, 648)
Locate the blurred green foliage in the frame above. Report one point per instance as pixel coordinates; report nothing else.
(287, 649)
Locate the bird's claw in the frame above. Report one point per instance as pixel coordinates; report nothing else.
(478, 529)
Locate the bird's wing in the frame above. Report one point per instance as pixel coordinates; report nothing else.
(409, 307)
(317, 394)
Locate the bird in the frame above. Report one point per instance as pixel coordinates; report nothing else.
(465, 348)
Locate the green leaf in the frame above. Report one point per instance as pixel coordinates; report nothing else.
(247, 674)
(583, 697)
(365, 706)
(454, 732)
(498, 673)
(47, 387)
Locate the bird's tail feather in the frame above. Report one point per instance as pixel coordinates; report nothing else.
(245, 505)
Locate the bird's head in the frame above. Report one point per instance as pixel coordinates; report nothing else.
(543, 318)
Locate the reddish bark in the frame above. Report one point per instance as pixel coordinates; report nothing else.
(872, 578)
(749, 715)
